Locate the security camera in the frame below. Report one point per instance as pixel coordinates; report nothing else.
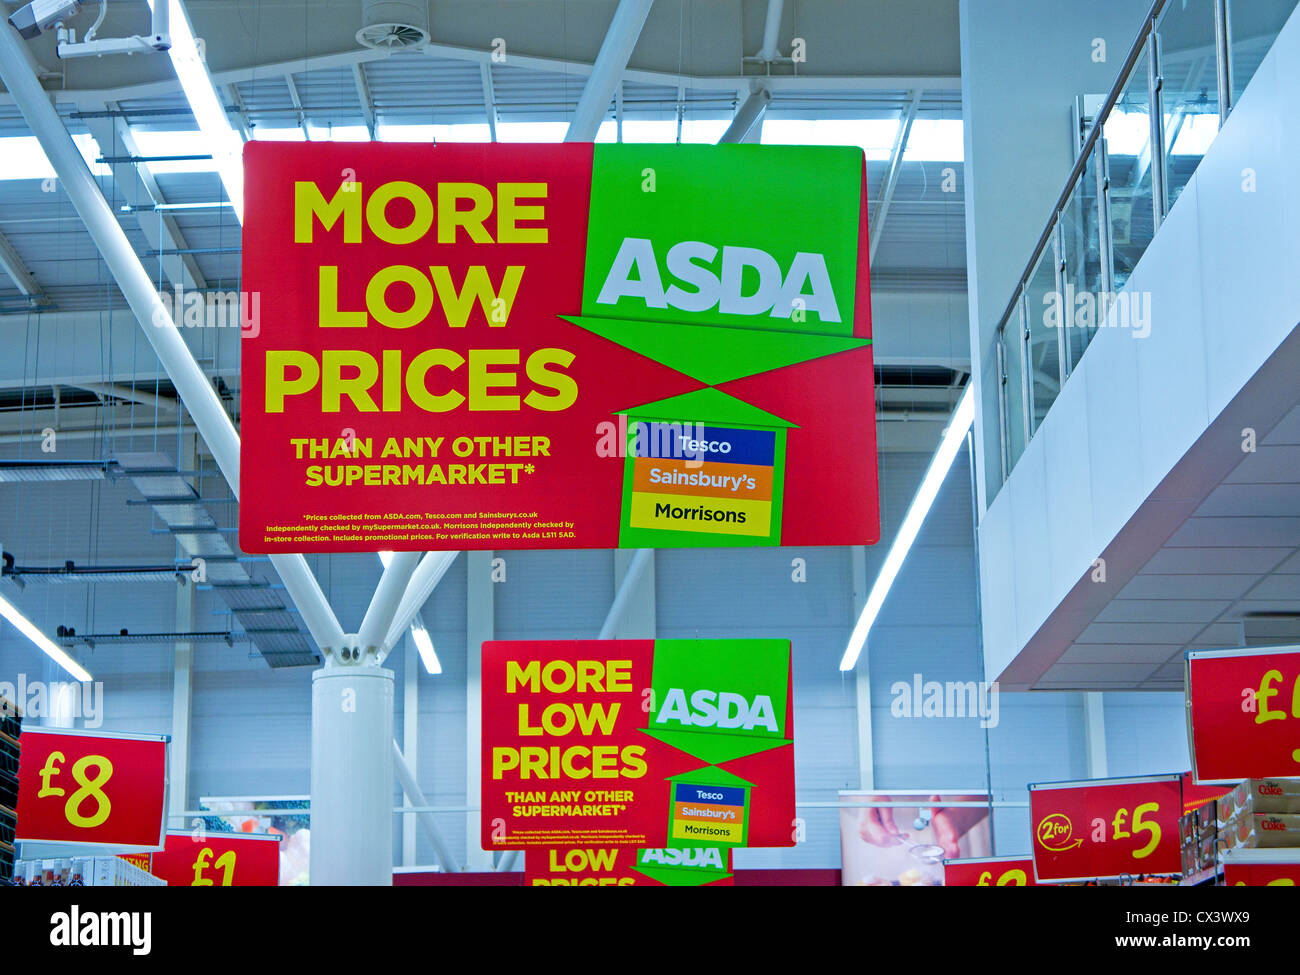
(35, 18)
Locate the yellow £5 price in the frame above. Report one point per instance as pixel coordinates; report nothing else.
(1139, 826)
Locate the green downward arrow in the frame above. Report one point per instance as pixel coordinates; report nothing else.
(715, 354)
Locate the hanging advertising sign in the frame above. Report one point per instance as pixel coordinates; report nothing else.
(900, 839)
(615, 866)
(1106, 827)
(201, 859)
(591, 744)
(555, 346)
(990, 872)
(1243, 713)
(79, 790)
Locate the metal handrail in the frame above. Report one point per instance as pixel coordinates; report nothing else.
(1081, 163)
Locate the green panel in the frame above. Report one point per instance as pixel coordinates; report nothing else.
(784, 201)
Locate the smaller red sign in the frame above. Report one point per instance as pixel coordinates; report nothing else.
(1244, 713)
(1261, 874)
(1195, 796)
(199, 859)
(623, 867)
(100, 790)
(1106, 827)
(990, 872)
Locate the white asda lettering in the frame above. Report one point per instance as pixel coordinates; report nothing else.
(635, 274)
(713, 709)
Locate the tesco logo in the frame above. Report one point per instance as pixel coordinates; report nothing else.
(706, 446)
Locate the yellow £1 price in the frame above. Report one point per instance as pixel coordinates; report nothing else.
(225, 863)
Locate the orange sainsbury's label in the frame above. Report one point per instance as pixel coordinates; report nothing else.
(667, 475)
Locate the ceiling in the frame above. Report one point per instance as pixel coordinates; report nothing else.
(285, 64)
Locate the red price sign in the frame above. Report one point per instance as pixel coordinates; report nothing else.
(1106, 827)
(198, 859)
(1243, 711)
(989, 872)
(1261, 874)
(101, 790)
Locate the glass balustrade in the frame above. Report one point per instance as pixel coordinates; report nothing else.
(1188, 67)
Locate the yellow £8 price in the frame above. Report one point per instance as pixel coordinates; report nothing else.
(88, 788)
(1011, 878)
(1139, 826)
(225, 863)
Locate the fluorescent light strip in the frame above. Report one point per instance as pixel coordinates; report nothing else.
(962, 418)
(225, 143)
(28, 629)
(420, 633)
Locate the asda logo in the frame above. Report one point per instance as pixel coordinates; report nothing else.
(717, 709)
(741, 281)
(707, 856)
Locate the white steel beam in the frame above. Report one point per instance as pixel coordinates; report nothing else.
(895, 167)
(749, 114)
(297, 103)
(406, 776)
(489, 97)
(363, 96)
(137, 184)
(18, 272)
(641, 560)
(385, 602)
(607, 72)
(771, 31)
(422, 582)
(191, 384)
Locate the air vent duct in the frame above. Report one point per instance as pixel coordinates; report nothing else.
(394, 25)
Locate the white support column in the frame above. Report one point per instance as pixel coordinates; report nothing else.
(862, 675)
(352, 776)
(178, 788)
(608, 70)
(410, 736)
(479, 626)
(1094, 723)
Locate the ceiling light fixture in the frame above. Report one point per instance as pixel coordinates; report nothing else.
(962, 418)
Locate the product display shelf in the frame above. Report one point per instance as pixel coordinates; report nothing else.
(10, 747)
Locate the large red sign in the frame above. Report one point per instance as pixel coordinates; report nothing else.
(990, 872)
(555, 346)
(1106, 827)
(202, 859)
(101, 790)
(594, 744)
(1243, 709)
